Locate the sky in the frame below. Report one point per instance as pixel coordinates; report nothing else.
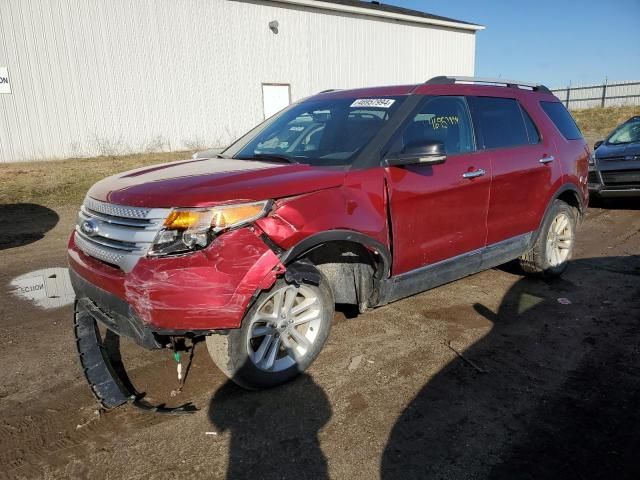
(556, 43)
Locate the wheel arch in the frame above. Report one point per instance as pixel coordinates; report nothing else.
(354, 263)
(568, 193)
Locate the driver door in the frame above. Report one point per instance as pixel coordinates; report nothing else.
(438, 211)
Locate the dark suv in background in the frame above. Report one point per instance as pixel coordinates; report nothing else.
(614, 166)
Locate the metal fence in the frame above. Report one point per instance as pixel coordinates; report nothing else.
(604, 95)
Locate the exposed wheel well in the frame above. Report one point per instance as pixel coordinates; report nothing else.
(351, 269)
(571, 198)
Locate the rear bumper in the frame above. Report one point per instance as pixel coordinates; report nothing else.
(200, 292)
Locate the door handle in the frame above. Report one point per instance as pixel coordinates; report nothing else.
(476, 173)
(548, 159)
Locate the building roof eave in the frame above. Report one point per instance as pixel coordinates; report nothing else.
(388, 12)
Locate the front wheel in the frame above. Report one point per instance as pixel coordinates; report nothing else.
(554, 246)
(281, 335)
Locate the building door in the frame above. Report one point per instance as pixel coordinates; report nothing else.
(275, 98)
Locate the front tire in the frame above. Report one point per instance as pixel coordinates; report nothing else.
(553, 249)
(281, 335)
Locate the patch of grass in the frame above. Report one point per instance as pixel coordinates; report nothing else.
(597, 123)
(65, 182)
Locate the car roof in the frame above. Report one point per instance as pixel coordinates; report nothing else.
(426, 88)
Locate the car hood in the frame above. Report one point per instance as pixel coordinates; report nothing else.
(205, 182)
(625, 150)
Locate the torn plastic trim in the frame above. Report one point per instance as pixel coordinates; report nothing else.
(302, 271)
(106, 385)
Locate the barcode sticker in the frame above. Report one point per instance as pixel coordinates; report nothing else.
(373, 102)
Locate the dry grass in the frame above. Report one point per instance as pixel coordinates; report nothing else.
(597, 123)
(65, 182)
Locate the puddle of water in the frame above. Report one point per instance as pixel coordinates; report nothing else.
(46, 288)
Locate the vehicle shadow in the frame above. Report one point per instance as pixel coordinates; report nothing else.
(552, 391)
(24, 223)
(622, 203)
(274, 433)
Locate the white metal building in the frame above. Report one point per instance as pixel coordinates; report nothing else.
(96, 77)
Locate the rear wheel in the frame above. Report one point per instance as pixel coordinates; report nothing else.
(281, 335)
(554, 246)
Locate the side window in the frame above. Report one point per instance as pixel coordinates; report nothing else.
(441, 119)
(562, 119)
(499, 122)
(532, 130)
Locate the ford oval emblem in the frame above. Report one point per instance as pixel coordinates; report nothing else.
(89, 227)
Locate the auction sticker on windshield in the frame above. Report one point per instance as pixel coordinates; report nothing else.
(373, 102)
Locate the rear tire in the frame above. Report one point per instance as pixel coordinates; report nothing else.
(553, 249)
(281, 335)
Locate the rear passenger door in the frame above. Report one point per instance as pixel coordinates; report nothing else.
(522, 161)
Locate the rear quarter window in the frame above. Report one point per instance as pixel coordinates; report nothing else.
(499, 122)
(562, 119)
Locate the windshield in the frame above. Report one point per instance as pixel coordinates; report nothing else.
(321, 132)
(628, 132)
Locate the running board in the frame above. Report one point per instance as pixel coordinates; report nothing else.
(431, 276)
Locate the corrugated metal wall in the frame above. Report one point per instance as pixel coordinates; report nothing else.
(92, 77)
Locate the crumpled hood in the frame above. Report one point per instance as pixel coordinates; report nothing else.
(204, 182)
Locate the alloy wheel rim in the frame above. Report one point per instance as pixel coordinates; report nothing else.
(559, 240)
(284, 328)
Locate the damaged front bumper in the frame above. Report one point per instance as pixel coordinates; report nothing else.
(189, 295)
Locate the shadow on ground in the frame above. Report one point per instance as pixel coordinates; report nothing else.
(274, 433)
(560, 395)
(623, 203)
(24, 223)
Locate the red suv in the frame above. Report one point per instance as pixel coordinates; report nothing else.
(357, 197)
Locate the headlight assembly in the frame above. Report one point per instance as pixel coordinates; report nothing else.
(190, 229)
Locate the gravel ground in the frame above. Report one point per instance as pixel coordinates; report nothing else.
(538, 388)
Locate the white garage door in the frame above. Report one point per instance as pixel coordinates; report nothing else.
(275, 98)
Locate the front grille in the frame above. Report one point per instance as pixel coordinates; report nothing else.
(624, 158)
(117, 234)
(621, 178)
(593, 177)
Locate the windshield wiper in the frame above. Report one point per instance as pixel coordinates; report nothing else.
(269, 157)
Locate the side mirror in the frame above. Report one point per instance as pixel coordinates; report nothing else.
(597, 144)
(429, 153)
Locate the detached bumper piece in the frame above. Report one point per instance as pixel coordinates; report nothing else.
(105, 383)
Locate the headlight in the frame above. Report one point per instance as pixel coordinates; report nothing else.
(592, 158)
(189, 229)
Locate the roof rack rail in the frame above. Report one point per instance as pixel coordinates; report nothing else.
(447, 80)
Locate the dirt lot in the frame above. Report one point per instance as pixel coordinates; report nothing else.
(547, 390)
